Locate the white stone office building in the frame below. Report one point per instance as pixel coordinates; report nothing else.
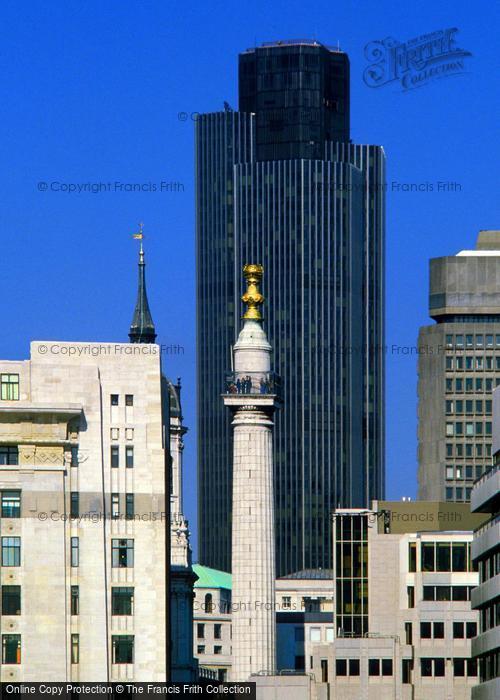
(404, 622)
(84, 528)
(486, 554)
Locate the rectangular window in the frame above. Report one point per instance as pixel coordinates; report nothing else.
(11, 504)
(75, 600)
(200, 649)
(459, 667)
(115, 505)
(407, 667)
(427, 554)
(11, 600)
(412, 557)
(443, 593)
(439, 667)
(387, 667)
(9, 387)
(341, 667)
(129, 456)
(217, 650)
(459, 556)
(122, 553)
(459, 593)
(443, 555)
(74, 456)
(374, 667)
(129, 399)
(324, 670)
(438, 630)
(330, 634)
(217, 631)
(123, 649)
(129, 506)
(200, 631)
(315, 634)
(286, 602)
(354, 667)
(425, 630)
(115, 456)
(426, 667)
(75, 648)
(472, 667)
(11, 648)
(75, 551)
(114, 399)
(410, 591)
(9, 455)
(409, 632)
(122, 600)
(471, 629)
(11, 551)
(75, 504)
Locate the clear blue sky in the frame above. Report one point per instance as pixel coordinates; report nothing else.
(91, 93)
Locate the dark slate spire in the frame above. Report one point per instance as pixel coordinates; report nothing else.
(142, 328)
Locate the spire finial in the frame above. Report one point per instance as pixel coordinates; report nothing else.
(142, 329)
(139, 236)
(252, 297)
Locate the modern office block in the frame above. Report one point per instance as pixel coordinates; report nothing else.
(458, 367)
(486, 554)
(404, 623)
(282, 184)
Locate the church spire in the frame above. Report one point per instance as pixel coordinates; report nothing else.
(142, 329)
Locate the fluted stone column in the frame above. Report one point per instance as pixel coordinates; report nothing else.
(252, 399)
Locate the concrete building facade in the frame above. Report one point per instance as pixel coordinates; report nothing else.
(404, 621)
(84, 527)
(486, 555)
(458, 368)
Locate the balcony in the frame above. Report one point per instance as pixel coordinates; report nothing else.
(485, 496)
(256, 384)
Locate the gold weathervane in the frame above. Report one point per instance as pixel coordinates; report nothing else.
(252, 297)
(139, 235)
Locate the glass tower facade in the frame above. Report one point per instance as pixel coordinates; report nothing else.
(280, 184)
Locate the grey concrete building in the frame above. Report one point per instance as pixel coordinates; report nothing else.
(458, 367)
(486, 555)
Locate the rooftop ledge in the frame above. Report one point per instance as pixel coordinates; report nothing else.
(14, 407)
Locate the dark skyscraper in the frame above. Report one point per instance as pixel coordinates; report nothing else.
(280, 183)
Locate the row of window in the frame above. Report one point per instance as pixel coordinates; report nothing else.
(470, 363)
(469, 428)
(460, 472)
(440, 593)
(458, 493)
(122, 552)
(476, 406)
(115, 456)
(470, 340)
(200, 631)
(435, 630)
(441, 556)
(122, 600)
(114, 399)
(384, 667)
(490, 616)
(478, 385)
(122, 645)
(200, 649)
(489, 566)
(468, 450)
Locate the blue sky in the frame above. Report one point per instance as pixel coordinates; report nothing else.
(92, 93)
